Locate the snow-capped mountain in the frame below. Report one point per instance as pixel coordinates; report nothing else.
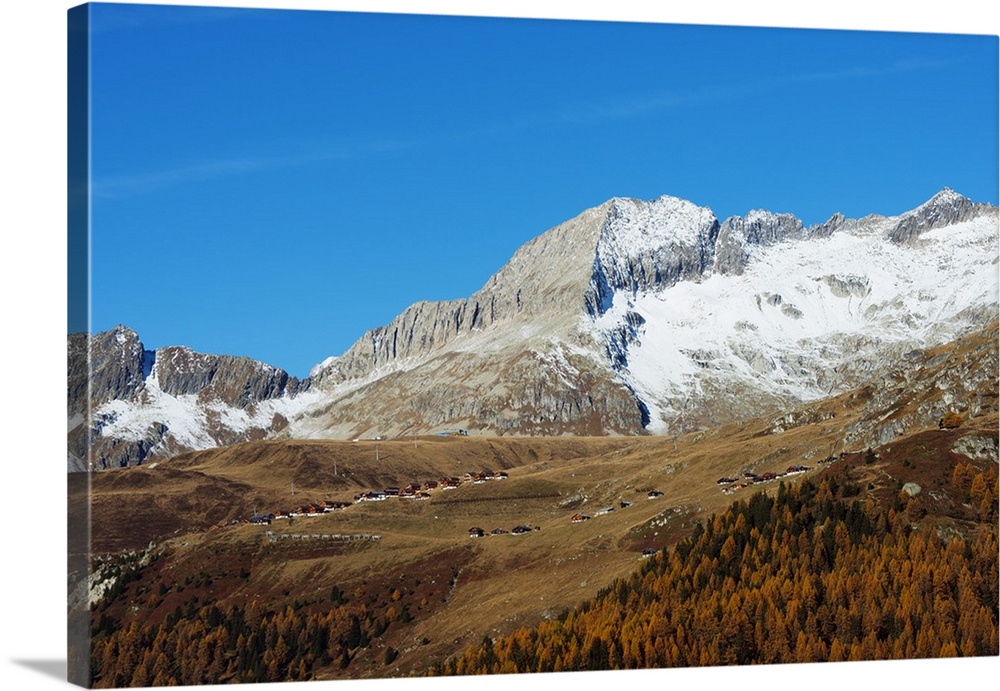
(634, 317)
(806, 315)
(146, 404)
(654, 316)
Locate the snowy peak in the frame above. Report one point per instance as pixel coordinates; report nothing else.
(791, 315)
(649, 245)
(642, 227)
(945, 208)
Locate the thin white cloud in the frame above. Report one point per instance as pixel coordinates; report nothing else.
(664, 100)
(618, 108)
(119, 186)
(899, 67)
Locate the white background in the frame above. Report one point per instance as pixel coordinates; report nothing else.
(32, 360)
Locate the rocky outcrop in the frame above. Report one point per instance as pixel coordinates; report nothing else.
(916, 390)
(757, 229)
(979, 447)
(945, 208)
(832, 225)
(646, 246)
(237, 381)
(145, 404)
(117, 365)
(849, 285)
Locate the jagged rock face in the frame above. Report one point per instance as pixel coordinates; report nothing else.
(945, 208)
(149, 404)
(117, 361)
(237, 381)
(646, 246)
(543, 282)
(757, 229)
(829, 227)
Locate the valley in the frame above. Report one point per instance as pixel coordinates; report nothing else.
(405, 574)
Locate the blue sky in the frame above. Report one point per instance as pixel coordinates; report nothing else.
(272, 183)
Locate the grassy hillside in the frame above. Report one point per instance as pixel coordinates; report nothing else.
(397, 587)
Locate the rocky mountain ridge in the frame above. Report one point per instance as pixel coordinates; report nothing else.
(633, 317)
(622, 246)
(163, 401)
(641, 306)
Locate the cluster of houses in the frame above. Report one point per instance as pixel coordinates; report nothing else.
(416, 490)
(336, 538)
(516, 530)
(413, 490)
(750, 478)
(302, 510)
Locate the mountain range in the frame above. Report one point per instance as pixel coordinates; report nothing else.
(634, 317)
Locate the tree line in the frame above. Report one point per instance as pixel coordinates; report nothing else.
(812, 574)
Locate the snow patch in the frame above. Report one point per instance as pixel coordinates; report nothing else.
(800, 308)
(635, 227)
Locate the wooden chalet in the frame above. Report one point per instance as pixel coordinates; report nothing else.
(450, 482)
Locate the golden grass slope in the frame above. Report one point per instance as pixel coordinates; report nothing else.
(459, 589)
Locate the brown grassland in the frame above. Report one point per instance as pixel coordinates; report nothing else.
(424, 591)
